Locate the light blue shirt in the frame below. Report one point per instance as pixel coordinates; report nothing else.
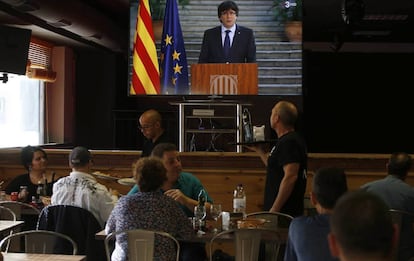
(189, 185)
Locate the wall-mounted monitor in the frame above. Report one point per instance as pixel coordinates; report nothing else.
(14, 49)
(279, 62)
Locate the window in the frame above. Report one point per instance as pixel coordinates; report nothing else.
(21, 111)
(22, 102)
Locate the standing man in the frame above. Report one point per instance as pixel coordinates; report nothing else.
(398, 195)
(286, 163)
(150, 124)
(241, 42)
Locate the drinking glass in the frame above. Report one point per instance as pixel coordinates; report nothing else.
(215, 212)
(200, 214)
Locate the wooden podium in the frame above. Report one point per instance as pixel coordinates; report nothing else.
(224, 78)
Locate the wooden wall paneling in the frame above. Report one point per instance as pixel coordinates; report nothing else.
(219, 172)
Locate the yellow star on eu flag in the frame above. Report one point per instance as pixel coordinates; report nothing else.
(168, 40)
(176, 55)
(177, 68)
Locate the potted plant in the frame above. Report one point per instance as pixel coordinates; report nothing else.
(289, 12)
(157, 8)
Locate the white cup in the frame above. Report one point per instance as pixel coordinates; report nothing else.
(259, 133)
(225, 217)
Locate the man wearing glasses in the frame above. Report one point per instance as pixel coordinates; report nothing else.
(229, 42)
(150, 124)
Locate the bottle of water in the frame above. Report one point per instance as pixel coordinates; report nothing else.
(201, 212)
(239, 200)
(202, 198)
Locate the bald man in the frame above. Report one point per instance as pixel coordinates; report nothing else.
(150, 124)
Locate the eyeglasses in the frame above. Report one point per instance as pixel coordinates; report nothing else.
(144, 127)
(229, 13)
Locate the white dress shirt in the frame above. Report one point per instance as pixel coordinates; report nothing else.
(82, 190)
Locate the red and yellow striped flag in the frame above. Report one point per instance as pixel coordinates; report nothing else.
(145, 69)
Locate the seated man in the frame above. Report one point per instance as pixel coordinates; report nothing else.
(184, 188)
(362, 228)
(81, 189)
(398, 194)
(307, 239)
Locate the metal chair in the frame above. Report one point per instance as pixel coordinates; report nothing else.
(7, 214)
(23, 211)
(20, 208)
(247, 242)
(404, 221)
(274, 220)
(38, 241)
(140, 243)
(77, 223)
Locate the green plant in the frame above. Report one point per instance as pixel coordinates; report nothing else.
(158, 8)
(287, 10)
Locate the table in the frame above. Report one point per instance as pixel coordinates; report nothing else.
(41, 257)
(7, 225)
(204, 238)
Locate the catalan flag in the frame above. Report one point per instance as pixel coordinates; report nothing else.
(145, 77)
(174, 68)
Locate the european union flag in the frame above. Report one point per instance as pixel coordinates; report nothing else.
(174, 68)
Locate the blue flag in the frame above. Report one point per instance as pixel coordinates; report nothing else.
(174, 68)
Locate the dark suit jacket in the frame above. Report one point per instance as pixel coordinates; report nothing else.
(243, 48)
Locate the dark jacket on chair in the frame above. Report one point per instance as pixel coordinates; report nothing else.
(79, 224)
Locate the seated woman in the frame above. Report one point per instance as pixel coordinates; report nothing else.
(148, 209)
(34, 160)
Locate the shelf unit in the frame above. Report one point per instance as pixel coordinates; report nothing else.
(214, 118)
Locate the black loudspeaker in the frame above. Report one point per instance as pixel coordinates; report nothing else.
(14, 49)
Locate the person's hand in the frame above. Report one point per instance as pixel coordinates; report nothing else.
(256, 148)
(23, 195)
(177, 195)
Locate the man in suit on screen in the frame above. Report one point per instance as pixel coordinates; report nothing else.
(239, 47)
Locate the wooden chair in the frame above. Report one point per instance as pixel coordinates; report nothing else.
(38, 241)
(247, 242)
(140, 243)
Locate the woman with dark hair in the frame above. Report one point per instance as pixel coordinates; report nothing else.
(34, 160)
(148, 209)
